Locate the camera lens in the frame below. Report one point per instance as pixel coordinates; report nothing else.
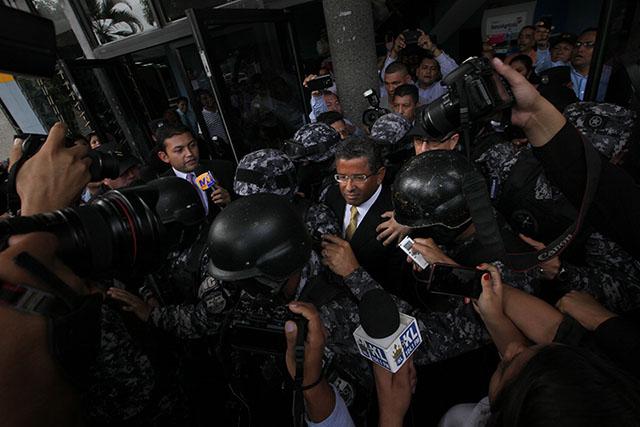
(123, 232)
(441, 116)
(103, 165)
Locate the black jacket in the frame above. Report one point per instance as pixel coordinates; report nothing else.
(615, 210)
(383, 263)
(223, 171)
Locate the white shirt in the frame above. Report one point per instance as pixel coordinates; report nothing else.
(362, 210)
(203, 195)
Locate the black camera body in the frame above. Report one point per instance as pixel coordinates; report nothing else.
(103, 165)
(320, 83)
(474, 85)
(256, 324)
(374, 111)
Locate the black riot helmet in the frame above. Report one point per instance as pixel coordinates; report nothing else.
(428, 191)
(258, 236)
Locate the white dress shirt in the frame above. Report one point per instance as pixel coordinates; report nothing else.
(362, 210)
(203, 195)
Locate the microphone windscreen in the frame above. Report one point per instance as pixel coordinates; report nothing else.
(204, 178)
(379, 314)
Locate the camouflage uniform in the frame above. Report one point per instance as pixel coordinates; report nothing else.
(271, 171)
(312, 150)
(194, 303)
(390, 129)
(607, 126)
(321, 138)
(604, 270)
(123, 383)
(265, 171)
(445, 334)
(390, 133)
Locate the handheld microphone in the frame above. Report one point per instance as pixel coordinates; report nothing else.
(205, 179)
(385, 336)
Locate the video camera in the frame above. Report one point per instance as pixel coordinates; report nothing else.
(122, 233)
(476, 93)
(374, 111)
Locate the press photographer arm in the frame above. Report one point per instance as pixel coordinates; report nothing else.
(561, 150)
(323, 405)
(25, 351)
(54, 177)
(394, 393)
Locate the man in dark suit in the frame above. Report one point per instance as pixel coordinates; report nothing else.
(178, 148)
(359, 200)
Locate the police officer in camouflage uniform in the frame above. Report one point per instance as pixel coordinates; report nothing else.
(312, 150)
(243, 248)
(270, 171)
(390, 132)
(534, 206)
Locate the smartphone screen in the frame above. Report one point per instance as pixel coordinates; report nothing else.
(455, 281)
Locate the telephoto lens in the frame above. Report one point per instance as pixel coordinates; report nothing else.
(123, 232)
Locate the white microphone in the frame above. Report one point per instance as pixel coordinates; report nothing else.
(385, 336)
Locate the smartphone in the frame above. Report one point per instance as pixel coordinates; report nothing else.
(455, 281)
(320, 83)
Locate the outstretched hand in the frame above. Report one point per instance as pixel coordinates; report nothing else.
(532, 112)
(394, 392)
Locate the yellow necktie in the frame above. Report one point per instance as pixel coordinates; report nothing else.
(353, 223)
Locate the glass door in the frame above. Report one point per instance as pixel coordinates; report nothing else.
(250, 58)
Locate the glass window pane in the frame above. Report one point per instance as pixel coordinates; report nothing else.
(68, 47)
(174, 9)
(116, 19)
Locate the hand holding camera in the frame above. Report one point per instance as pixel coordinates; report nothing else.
(532, 112)
(54, 176)
(319, 397)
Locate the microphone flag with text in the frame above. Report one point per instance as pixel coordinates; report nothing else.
(385, 336)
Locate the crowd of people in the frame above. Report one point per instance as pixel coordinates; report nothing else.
(313, 226)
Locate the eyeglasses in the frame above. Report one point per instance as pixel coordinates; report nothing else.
(358, 179)
(589, 45)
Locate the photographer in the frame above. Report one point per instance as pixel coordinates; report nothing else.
(560, 148)
(535, 207)
(101, 376)
(274, 265)
(324, 405)
(541, 384)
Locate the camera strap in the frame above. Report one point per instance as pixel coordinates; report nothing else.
(488, 233)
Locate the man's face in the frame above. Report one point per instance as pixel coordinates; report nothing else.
(526, 39)
(393, 80)
(584, 49)
(181, 152)
(422, 144)
(356, 192)
(405, 106)
(182, 106)
(332, 103)
(341, 128)
(428, 72)
(562, 52)
(124, 180)
(95, 142)
(208, 101)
